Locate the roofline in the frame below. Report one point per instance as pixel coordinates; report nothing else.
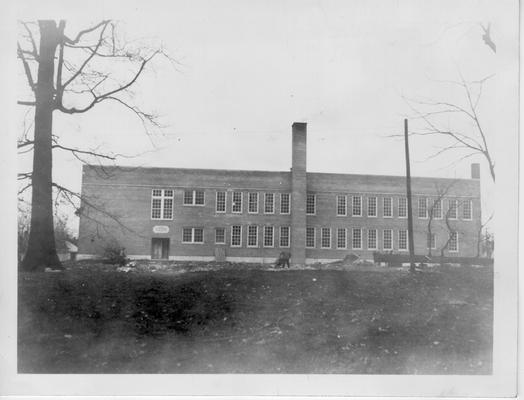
(117, 167)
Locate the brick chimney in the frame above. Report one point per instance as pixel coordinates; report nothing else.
(475, 171)
(298, 194)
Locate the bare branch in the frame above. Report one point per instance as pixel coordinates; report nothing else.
(89, 58)
(34, 53)
(26, 103)
(84, 32)
(27, 69)
(99, 98)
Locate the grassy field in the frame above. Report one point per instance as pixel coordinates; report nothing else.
(97, 320)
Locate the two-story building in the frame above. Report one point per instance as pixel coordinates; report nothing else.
(251, 216)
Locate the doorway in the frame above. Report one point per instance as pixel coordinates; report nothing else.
(160, 248)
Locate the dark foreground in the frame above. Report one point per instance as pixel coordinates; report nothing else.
(255, 321)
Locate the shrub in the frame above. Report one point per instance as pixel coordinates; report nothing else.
(115, 255)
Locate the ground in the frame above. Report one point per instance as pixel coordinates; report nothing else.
(236, 319)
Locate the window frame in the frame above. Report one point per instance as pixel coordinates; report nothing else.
(390, 207)
(338, 198)
(439, 208)
(406, 239)
(288, 236)
(288, 203)
(224, 234)
(272, 236)
(249, 211)
(454, 201)
(470, 203)
(270, 195)
(163, 208)
(359, 230)
(376, 239)
(194, 197)
(376, 207)
(405, 208)
(390, 239)
(314, 230)
(457, 249)
(425, 208)
(322, 230)
(241, 202)
(193, 230)
(240, 236)
(431, 242)
(345, 238)
(225, 202)
(248, 236)
(353, 198)
(314, 197)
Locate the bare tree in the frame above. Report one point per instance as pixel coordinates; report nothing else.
(435, 117)
(483, 238)
(74, 73)
(435, 210)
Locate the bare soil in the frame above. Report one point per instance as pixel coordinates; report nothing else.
(94, 319)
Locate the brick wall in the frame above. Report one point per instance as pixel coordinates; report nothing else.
(122, 210)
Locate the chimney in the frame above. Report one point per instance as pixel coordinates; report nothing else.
(475, 171)
(298, 193)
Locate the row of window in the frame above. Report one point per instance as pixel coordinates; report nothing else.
(267, 233)
(427, 207)
(196, 235)
(162, 205)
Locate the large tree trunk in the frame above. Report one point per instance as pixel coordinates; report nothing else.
(41, 251)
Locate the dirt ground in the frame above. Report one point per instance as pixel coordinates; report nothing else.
(94, 319)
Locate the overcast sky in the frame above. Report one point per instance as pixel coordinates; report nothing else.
(248, 70)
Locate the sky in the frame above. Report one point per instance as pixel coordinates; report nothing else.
(246, 71)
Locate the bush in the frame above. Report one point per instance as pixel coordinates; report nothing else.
(115, 255)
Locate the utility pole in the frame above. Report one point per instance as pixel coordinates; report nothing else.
(408, 189)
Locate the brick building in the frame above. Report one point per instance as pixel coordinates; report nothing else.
(251, 216)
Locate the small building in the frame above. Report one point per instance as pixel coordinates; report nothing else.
(251, 216)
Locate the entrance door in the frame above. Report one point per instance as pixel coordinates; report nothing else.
(160, 248)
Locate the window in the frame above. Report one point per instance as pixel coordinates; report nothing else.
(194, 198)
(236, 207)
(310, 237)
(387, 209)
(372, 239)
(310, 204)
(162, 204)
(268, 236)
(437, 209)
(269, 203)
(221, 202)
(341, 205)
(284, 236)
(387, 239)
(432, 241)
(357, 238)
(220, 235)
(252, 236)
(285, 203)
(403, 239)
(402, 207)
(325, 238)
(236, 236)
(453, 242)
(357, 206)
(467, 210)
(341, 238)
(252, 206)
(422, 207)
(372, 206)
(193, 235)
(452, 209)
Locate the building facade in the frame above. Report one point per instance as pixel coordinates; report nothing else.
(252, 216)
